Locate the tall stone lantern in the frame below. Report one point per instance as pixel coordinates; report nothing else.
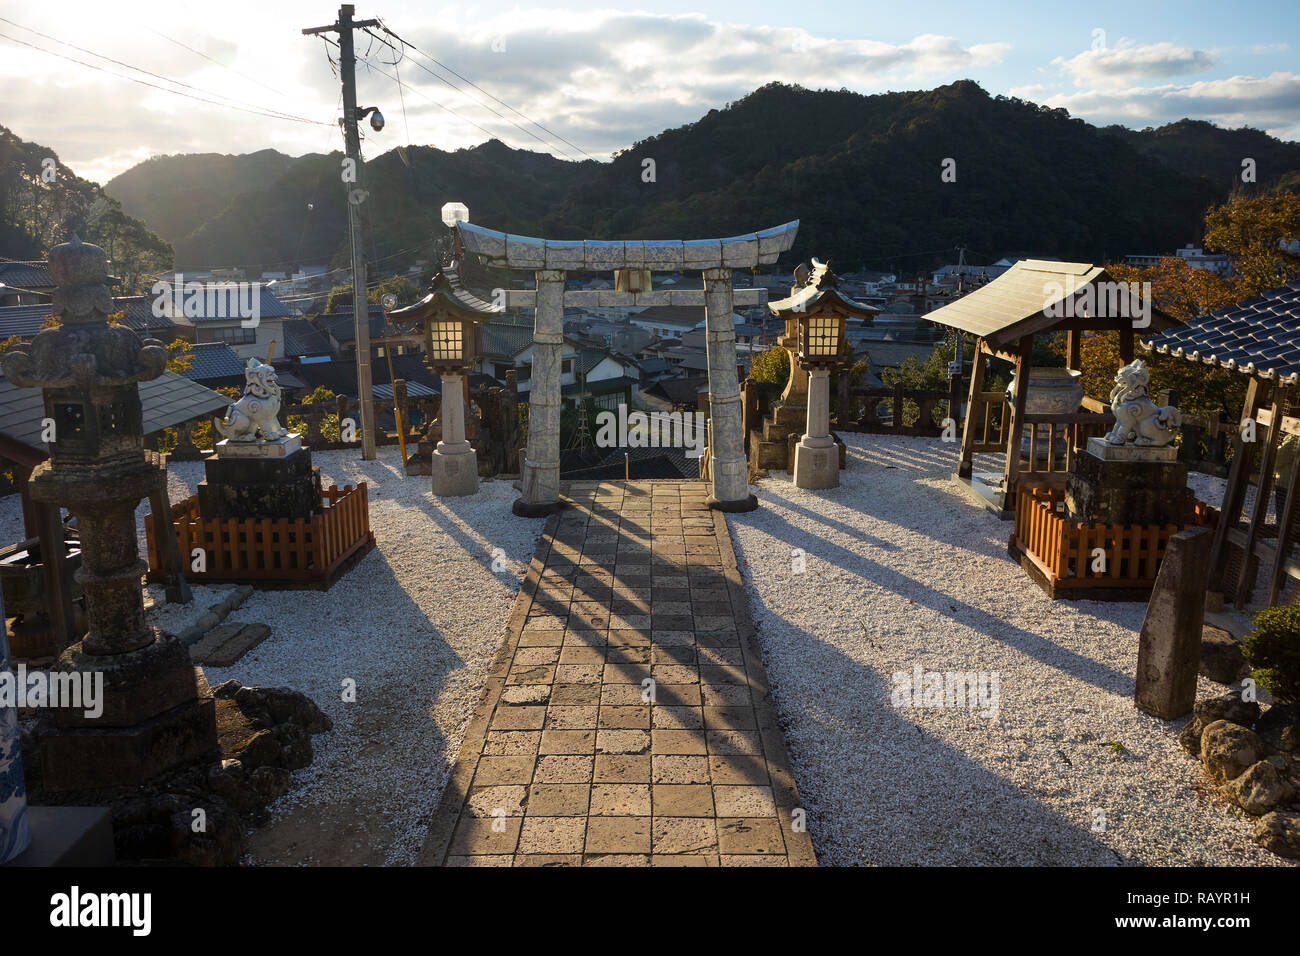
(815, 313)
(450, 315)
(153, 716)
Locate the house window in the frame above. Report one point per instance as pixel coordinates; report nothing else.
(566, 366)
(235, 335)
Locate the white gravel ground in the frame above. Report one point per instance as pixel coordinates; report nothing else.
(415, 624)
(902, 570)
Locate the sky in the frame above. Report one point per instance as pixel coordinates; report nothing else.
(599, 78)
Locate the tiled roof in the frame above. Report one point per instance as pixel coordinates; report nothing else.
(602, 387)
(500, 339)
(167, 401)
(1260, 336)
(671, 316)
(213, 360)
(22, 320)
(341, 377)
(137, 315)
(341, 327)
(34, 275)
(303, 338)
(270, 307)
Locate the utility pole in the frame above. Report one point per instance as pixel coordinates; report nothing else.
(356, 196)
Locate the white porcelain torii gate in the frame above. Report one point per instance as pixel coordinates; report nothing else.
(550, 259)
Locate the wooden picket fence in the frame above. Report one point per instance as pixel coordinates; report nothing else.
(1063, 551)
(306, 551)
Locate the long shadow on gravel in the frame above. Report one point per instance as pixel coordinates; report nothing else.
(907, 798)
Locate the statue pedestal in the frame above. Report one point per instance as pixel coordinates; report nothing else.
(1129, 485)
(260, 480)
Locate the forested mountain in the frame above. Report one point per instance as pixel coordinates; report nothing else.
(41, 201)
(863, 173)
(1206, 151)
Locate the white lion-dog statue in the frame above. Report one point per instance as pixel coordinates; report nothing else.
(253, 417)
(1138, 420)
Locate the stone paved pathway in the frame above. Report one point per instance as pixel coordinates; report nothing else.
(626, 720)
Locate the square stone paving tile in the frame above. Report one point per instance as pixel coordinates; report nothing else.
(620, 799)
(750, 835)
(558, 799)
(617, 835)
(563, 768)
(682, 800)
(684, 835)
(622, 768)
(552, 834)
(476, 835)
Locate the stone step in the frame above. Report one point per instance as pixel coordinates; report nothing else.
(225, 644)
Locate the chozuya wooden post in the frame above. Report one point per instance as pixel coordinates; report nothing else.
(978, 367)
(1238, 479)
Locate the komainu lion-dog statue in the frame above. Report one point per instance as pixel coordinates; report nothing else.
(253, 417)
(1138, 420)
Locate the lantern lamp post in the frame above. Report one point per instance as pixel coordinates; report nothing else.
(819, 311)
(816, 460)
(450, 315)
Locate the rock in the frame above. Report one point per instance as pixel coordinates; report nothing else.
(227, 690)
(143, 841)
(1280, 728)
(210, 838)
(1279, 832)
(259, 750)
(268, 706)
(286, 747)
(269, 784)
(1259, 789)
(295, 746)
(1227, 749)
(1221, 655)
(1228, 707)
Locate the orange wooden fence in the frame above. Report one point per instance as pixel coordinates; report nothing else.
(304, 550)
(1064, 550)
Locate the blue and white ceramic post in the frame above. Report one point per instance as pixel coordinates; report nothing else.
(15, 833)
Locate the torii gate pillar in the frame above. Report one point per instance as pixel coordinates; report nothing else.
(540, 484)
(728, 467)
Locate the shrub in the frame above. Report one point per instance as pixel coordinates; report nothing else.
(1272, 650)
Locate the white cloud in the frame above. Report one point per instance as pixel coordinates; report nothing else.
(600, 79)
(1124, 63)
(1271, 103)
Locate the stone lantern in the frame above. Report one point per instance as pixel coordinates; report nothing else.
(450, 315)
(818, 311)
(153, 716)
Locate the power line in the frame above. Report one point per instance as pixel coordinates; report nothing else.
(133, 79)
(184, 46)
(383, 26)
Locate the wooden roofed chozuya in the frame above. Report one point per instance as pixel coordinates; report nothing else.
(1038, 297)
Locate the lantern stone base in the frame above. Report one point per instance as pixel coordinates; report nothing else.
(267, 485)
(454, 469)
(77, 753)
(816, 463)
